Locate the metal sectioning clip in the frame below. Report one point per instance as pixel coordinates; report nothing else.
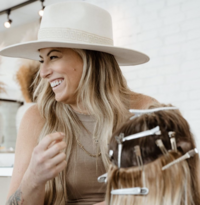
(140, 162)
(138, 156)
(131, 191)
(154, 131)
(119, 139)
(148, 111)
(173, 141)
(111, 154)
(160, 144)
(189, 154)
(102, 178)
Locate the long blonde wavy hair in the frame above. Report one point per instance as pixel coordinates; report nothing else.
(103, 92)
(172, 186)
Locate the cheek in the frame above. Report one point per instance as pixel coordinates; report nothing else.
(64, 71)
(71, 72)
(74, 79)
(71, 78)
(73, 75)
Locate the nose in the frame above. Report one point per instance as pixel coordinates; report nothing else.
(45, 71)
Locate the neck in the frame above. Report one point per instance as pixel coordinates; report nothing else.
(79, 109)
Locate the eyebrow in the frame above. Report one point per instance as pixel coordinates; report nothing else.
(50, 52)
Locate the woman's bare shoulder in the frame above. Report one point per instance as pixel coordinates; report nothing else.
(31, 121)
(33, 114)
(140, 101)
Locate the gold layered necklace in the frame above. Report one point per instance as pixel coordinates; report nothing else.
(83, 148)
(94, 138)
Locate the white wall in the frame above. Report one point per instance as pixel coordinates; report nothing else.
(9, 66)
(169, 32)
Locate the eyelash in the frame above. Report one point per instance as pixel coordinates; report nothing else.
(51, 57)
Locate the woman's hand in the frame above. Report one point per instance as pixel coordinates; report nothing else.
(101, 203)
(47, 159)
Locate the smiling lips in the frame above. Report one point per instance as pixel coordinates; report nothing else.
(56, 83)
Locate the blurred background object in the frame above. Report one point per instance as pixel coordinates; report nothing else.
(2, 89)
(25, 77)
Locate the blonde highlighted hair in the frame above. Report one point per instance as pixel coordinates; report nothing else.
(174, 185)
(103, 92)
(165, 187)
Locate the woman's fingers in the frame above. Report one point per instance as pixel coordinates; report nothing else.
(56, 170)
(46, 142)
(47, 158)
(57, 159)
(54, 142)
(55, 149)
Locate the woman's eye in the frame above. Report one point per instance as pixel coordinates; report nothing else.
(52, 57)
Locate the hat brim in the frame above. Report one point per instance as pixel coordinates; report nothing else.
(29, 50)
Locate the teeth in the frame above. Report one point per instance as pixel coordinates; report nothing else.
(56, 82)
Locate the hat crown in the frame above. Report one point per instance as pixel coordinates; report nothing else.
(76, 21)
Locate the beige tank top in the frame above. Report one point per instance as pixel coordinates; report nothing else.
(83, 171)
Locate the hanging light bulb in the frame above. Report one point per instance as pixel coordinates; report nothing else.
(42, 10)
(7, 24)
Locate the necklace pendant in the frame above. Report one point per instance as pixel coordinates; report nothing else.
(96, 140)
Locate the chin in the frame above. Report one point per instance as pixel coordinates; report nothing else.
(66, 100)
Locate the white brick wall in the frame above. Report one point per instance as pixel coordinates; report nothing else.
(169, 32)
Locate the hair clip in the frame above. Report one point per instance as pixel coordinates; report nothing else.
(189, 154)
(148, 111)
(138, 156)
(102, 178)
(131, 191)
(119, 139)
(111, 154)
(154, 131)
(173, 140)
(140, 162)
(160, 144)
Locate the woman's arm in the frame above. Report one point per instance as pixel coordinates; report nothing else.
(35, 164)
(28, 134)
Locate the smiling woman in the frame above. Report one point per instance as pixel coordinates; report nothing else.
(82, 98)
(62, 68)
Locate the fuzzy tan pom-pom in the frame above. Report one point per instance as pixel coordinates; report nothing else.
(25, 77)
(28, 69)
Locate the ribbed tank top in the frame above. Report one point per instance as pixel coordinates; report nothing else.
(83, 170)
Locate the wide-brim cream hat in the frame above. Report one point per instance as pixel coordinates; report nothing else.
(75, 24)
